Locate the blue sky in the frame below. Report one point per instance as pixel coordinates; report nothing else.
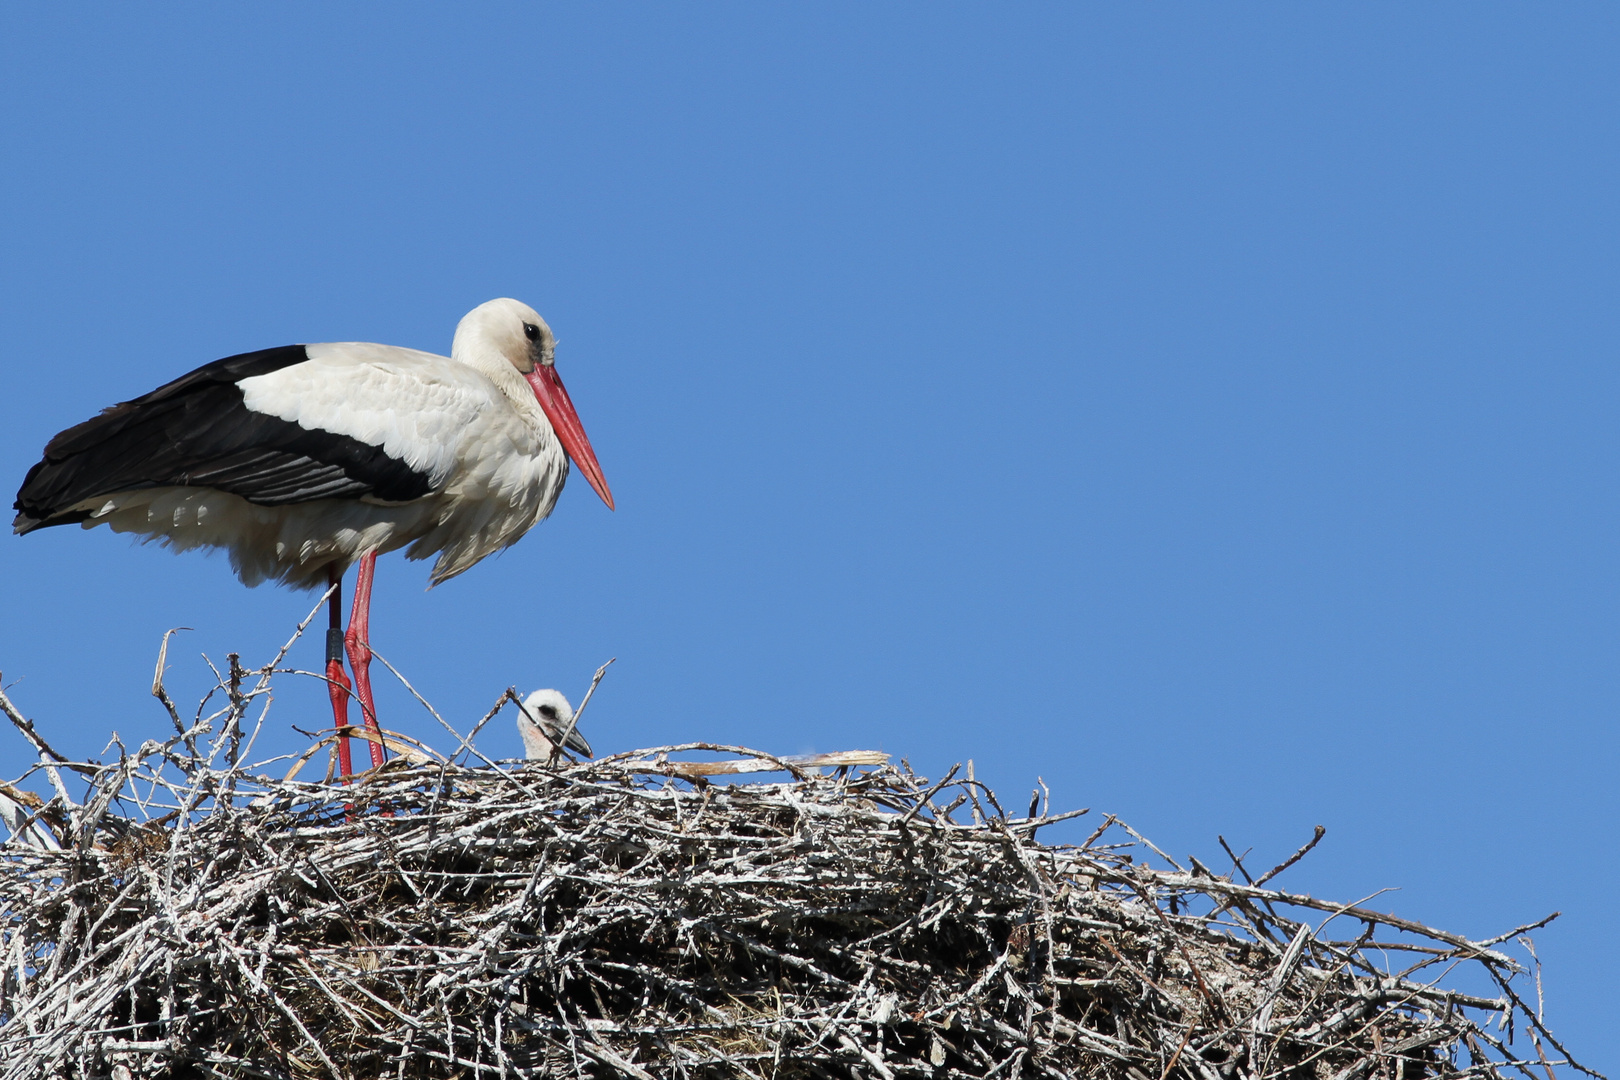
(1208, 409)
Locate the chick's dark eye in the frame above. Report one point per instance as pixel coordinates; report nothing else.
(548, 711)
(531, 331)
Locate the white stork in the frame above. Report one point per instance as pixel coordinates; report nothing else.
(303, 460)
(544, 719)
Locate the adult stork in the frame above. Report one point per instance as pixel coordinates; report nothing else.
(304, 460)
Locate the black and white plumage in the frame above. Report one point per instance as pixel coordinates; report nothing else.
(542, 721)
(303, 460)
(295, 458)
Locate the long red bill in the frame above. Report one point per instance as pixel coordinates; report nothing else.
(553, 398)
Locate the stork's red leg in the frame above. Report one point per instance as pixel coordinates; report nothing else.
(336, 684)
(358, 642)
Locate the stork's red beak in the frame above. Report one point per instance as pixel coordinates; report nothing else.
(553, 398)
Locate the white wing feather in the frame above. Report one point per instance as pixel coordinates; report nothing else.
(417, 406)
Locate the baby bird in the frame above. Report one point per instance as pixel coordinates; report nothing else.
(545, 715)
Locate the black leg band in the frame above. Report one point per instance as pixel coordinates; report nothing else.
(334, 645)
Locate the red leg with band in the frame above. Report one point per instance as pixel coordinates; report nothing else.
(336, 684)
(358, 643)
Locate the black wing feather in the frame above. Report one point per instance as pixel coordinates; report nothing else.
(198, 432)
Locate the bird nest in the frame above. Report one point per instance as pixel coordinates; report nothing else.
(188, 915)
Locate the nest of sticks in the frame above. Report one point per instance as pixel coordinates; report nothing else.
(188, 915)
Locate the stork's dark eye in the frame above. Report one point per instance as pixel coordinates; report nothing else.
(548, 711)
(532, 332)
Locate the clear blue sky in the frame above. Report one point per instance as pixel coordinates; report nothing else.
(1209, 409)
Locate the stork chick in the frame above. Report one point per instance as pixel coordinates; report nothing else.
(542, 719)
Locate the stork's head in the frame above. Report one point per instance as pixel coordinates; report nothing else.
(541, 720)
(515, 332)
